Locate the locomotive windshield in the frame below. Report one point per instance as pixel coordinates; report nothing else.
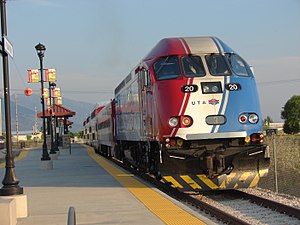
(217, 65)
(192, 66)
(237, 64)
(167, 68)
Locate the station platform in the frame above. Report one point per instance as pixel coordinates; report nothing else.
(100, 192)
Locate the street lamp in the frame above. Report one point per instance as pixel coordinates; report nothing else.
(52, 150)
(40, 49)
(53, 86)
(10, 181)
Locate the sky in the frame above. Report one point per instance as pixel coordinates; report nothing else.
(93, 44)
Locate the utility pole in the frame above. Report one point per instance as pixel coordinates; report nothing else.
(35, 121)
(17, 118)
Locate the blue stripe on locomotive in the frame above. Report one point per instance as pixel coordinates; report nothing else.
(242, 101)
(222, 47)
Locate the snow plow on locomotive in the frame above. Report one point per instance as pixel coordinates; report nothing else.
(189, 113)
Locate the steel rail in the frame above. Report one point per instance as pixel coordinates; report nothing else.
(276, 206)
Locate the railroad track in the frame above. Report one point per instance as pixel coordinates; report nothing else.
(268, 203)
(230, 206)
(253, 209)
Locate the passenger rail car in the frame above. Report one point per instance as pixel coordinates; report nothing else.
(98, 129)
(189, 113)
(90, 128)
(105, 129)
(87, 131)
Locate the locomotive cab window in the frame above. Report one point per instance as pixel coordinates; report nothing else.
(167, 68)
(217, 65)
(238, 65)
(192, 66)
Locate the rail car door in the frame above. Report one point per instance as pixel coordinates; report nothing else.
(145, 93)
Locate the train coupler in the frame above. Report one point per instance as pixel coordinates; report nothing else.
(215, 165)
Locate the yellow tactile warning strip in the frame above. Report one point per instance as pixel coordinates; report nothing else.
(163, 208)
(21, 156)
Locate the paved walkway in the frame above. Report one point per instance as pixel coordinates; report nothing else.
(77, 180)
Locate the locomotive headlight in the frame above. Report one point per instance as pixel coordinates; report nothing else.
(253, 118)
(205, 89)
(214, 89)
(173, 121)
(211, 87)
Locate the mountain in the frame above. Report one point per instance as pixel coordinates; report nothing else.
(27, 105)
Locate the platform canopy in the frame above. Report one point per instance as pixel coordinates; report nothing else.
(57, 111)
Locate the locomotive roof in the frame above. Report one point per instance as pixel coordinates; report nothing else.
(182, 46)
(188, 45)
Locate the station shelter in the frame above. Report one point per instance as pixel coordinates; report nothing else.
(58, 116)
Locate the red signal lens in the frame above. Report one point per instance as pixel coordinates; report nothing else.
(243, 119)
(186, 121)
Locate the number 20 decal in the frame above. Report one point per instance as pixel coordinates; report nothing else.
(233, 87)
(189, 88)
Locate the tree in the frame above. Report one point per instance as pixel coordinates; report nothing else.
(291, 115)
(266, 122)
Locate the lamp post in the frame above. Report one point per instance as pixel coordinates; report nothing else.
(52, 150)
(40, 49)
(10, 182)
(53, 85)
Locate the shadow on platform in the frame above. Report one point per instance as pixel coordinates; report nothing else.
(73, 168)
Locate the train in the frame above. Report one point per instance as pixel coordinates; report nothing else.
(189, 114)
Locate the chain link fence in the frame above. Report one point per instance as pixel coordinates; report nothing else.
(284, 171)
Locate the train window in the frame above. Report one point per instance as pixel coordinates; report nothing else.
(238, 65)
(167, 68)
(192, 66)
(217, 65)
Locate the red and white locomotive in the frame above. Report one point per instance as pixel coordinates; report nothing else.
(189, 113)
